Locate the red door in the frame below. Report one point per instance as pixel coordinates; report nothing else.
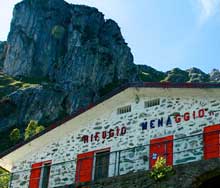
(211, 141)
(84, 167)
(161, 147)
(35, 175)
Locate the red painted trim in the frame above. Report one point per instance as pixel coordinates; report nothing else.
(84, 166)
(162, 147)
(36, 173)
(161, 140)
(211, 137)
(212, 128)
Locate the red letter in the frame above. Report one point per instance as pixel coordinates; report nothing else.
(123, 130)
(91, 137)
(117, 131)
(111, 133)
(201, 113)
(97, 136)
(85, 138)
(177, 118)
(104, 135)
(194, 115)
(186, 116)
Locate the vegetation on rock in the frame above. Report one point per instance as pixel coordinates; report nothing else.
(9, 84)
(15, 135)
(58, 31)
(32, 129)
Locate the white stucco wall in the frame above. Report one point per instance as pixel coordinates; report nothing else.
(65, 142)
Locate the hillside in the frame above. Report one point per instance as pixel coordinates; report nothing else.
(60, 57)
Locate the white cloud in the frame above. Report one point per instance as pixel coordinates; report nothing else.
(208, 9)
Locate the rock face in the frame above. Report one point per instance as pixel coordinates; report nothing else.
(3, 49)
(196, 75)
(192, 75)
(176, 75)
(215, 76)
(69, 44)
(71, 50)
(15, 107)
(149, 74)
(62, 57)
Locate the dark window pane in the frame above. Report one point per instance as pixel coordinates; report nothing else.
(45, 176)
(101, 165)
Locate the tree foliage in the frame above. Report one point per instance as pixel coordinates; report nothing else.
(160, 170)
(32, 129)
(15, 135)
(4, 178)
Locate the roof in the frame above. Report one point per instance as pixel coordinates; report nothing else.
(108, 96)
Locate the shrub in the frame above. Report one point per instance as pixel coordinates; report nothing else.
(160, 170)
(4, 178)
(32, 129)
(58, 31)
(15, 135)
(39, 129)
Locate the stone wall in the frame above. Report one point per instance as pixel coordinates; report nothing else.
(190, 175)
(63, 151)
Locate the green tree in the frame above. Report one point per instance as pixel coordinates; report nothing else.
(4, 178)
(15, 135)
(39, 129)
(32, 129)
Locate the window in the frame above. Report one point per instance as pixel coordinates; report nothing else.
(45, 175)
(92, 165)
(40, 173)
(124, 109)
(101, 165)
(154, 102)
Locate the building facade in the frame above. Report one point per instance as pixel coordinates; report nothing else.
(122, 134)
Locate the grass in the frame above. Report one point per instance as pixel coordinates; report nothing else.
(9, 84)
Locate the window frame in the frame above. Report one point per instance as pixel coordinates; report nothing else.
(33, 183)
(151, 103)
(124, 109)
(92, 155)
(107, 150)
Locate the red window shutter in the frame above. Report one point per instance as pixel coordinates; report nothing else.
(161, 147)
(211, 142)
(35, 175)
(84, 167)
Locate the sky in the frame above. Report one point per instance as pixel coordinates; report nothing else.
(163, 34)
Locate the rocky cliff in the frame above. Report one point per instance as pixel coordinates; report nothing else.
(3, 49)
(59, 57)
(69, 55)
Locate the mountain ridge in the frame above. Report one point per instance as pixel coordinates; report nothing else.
(59, 57)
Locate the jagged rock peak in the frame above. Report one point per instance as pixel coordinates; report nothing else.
(70, 51)
(176, 75)
(215, 75)
(149, 74)
(69, 44)
(196, 75)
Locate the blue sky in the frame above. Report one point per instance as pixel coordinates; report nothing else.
(161, 33)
